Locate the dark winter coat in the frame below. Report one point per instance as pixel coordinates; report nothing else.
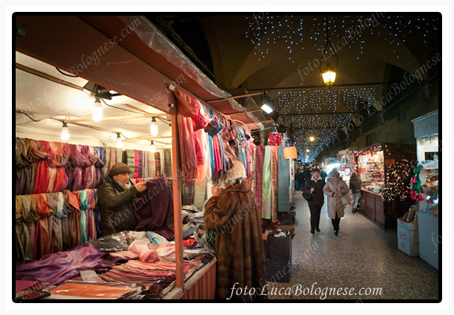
(236, 221)
(319, 198)
(355, 185)
(116, 206)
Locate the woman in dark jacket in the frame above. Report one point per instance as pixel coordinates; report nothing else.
(116, 200)
(315, 186)
(355, 186)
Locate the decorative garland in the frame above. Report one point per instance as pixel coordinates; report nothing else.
(416, 187)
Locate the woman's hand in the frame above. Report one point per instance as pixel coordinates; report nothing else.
(312, 190)
(215, 190)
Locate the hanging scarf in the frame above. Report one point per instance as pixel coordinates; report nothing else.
(266, 184)
(151, 165)
(71, 224)
(83, 216)
(274, 180)
(24, 246)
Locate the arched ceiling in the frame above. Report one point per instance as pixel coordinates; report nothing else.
(280, 53)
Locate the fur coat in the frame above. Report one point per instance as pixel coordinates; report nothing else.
(335, 203)
(235, 219)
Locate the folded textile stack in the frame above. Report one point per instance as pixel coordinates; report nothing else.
(86, 290)
(137, 271)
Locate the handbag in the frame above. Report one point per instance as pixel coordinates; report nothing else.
(308, 197)
(345, 199)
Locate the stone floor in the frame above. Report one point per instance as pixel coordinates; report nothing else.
(362, 256)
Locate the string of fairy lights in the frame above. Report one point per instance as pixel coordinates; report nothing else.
(318, 102)
(266, 30)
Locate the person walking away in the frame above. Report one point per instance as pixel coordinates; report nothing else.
(234, 216)
(301, 179)
(323, 174)
(315, 186)
(334, 189)
(355, 186)
(297, 183)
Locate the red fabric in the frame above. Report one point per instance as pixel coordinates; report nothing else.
(51, 155)
(42, 177)
(188, 150)
(217, 157)
(187, 106)
(199, 120)
(41, 226)
(60, 179)
(189, 242)
(136, 164)
(198, 150)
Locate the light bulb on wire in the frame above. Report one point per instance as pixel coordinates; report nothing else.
(65, 132)
(119, 141)
(97, 110)
(153, 127)
(152, 148)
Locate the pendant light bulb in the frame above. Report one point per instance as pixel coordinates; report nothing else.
(119, 141)
(65, 132)
(152, 148)
(154, 127)
(312, 139)
(97, 110)
(308, 150)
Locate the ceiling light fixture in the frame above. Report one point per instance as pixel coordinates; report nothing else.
(119, 141)
(153, 127)
(152, 148)
(329, 73)
(65, 132)
(308, 150)
(97, 110)
(312, 139)
(268, 104)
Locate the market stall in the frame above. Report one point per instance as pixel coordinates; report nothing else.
(425, 187)
(347, 164)
(88, 144)
(384, 170)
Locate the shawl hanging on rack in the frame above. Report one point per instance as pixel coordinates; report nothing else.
(283, 182)
(266, 184)
(274, 180)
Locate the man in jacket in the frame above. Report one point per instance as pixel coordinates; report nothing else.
(315, 186)
(116, 198)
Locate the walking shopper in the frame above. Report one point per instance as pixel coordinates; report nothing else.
(334, 189)
(297, 182)
(355, 186)
(323, 174)
(301, 179)
(315, 186)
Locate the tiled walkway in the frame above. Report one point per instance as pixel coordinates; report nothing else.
(362, 256)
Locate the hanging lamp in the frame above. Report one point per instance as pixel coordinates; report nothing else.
(64, 132)
(152, 148)
(153, 127)
(329, 72)
(119, 141)
(97, 110)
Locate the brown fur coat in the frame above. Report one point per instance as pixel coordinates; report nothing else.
(234, 217)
